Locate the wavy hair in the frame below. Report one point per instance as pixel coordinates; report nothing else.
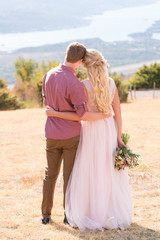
(98, 75)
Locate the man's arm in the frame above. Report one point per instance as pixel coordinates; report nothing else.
(78, 97)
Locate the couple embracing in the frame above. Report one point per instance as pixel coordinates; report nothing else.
(83, 129)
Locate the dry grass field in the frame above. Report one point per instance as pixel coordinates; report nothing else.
(22, 162)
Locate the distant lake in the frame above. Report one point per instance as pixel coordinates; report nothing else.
(156, 36)
(110, 26)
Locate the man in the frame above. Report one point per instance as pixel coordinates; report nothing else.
(63, 92)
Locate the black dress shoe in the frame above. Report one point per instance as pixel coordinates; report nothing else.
(45, 220)
(65, 221)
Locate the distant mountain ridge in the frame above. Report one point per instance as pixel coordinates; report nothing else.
(28, 16)
(116, 53)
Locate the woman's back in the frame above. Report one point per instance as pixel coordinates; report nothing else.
(90, 94)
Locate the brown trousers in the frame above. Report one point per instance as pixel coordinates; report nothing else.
(54, 151)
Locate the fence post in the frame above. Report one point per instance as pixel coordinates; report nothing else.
(135, 91)
(154, 89)
(130, 89)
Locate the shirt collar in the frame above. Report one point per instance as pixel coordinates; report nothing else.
(68, 68)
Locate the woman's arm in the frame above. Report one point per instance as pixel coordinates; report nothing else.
(50, 112)
(117, 116)
(88, 116)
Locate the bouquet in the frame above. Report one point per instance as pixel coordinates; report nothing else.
(124, 157)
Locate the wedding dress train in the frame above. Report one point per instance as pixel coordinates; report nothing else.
(97, 194)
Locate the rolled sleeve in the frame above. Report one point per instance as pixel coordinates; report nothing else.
(81, 109)
(79, 99)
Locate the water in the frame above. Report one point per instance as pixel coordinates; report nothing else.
(111, 26)
(156, 36)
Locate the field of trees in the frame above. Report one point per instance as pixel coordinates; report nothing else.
(27, 91)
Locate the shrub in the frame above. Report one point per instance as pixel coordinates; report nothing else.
(81, 73)
(146, 76)
(121, 86)
(2, 84)
(8, 101)
(39, 90)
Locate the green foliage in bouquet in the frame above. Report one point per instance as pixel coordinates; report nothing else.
(124, 157)
(125, 138)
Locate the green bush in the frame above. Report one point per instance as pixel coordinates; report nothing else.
(121, 86)
(8, 101)
(81, 73)
(146, 76)
(2, 84)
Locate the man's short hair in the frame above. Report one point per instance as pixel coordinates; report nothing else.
(75, 52)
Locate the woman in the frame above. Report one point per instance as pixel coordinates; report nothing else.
(97, 194)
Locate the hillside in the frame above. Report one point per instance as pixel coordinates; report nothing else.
(117, 54)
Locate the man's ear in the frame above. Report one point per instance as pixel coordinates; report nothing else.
(65, 54)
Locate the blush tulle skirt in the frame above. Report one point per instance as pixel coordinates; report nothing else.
(97, 194)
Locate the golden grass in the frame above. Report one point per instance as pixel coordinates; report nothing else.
(22, 162)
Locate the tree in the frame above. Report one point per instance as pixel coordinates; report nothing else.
(25, 69)
(146, 76)
(39, 74)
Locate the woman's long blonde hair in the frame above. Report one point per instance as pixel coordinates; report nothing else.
(98, 75)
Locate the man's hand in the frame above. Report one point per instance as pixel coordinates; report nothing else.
(50, 112)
